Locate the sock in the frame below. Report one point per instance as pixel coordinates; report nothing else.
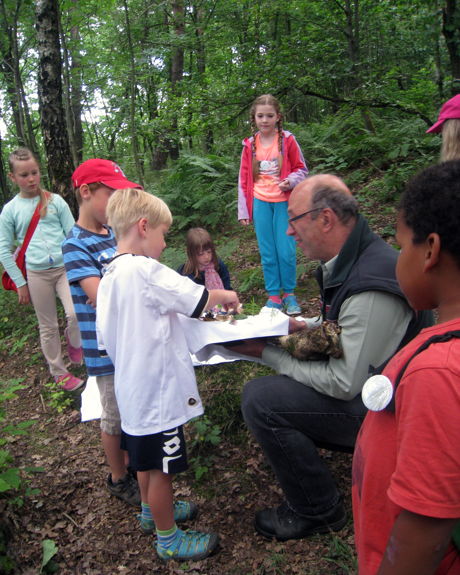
(274, 298)
(166, 538)
(286, 295)
(146, 513)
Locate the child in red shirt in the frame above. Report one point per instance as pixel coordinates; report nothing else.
(406, 466)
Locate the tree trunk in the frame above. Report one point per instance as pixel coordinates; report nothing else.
(52, 114)
(177, 69)
(132, 99)
(9, 66)
(73, 92)
(5, 196)
(451, 31)
(208, 140)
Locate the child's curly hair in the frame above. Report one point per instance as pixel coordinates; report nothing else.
(431, 204)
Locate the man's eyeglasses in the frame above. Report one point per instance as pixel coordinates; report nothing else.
(295, 218)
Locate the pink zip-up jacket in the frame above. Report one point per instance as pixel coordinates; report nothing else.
(293, 168)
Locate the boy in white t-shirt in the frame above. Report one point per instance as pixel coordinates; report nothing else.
(138, 305)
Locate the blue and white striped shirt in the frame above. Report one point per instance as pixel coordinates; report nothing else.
(85, 254)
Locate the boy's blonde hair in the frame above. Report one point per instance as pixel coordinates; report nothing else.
(128, 206)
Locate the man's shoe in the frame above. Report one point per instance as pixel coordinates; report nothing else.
(291, 306)
(126, 489)
(183, 511)
(190, 546)
(283, 523)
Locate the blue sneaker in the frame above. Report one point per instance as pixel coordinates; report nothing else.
(291, 306)
(183, 511)
(189, 546)
(273, 304)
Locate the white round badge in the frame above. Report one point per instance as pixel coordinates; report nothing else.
(377, 392)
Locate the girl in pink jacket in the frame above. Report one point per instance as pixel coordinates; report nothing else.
(272, 163)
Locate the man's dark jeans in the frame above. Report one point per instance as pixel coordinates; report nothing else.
(290, 420)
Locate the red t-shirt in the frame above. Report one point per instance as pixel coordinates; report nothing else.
(411, 459)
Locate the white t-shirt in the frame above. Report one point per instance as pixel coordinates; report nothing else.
(138, 303)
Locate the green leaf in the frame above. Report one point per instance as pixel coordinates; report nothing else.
(49, 551)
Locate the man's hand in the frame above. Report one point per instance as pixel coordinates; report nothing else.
(252, 347)
(296, 325)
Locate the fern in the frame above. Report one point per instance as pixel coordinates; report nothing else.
(201, 191)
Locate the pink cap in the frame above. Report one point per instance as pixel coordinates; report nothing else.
(105, 171)
(449, 111)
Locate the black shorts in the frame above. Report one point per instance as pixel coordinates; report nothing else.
(165, 451)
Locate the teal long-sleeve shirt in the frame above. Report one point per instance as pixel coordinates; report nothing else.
(44, 250)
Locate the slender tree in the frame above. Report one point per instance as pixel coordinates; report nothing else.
(72, 83)
(52, 114)
(10, 63)
(132, 97)
(451, 31)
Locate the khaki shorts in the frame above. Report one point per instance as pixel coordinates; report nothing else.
(110, 418)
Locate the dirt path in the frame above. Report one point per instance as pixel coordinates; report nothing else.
(97, 534)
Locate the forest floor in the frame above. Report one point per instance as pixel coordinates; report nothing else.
(97, 534)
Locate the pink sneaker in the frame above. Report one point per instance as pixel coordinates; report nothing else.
(75, 353)
(69, 382)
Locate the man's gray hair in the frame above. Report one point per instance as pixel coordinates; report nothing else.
(343, 205)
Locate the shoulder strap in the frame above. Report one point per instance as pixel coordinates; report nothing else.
(440, 338)
(31, 229)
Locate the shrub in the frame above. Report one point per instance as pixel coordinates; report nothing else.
(201, 191)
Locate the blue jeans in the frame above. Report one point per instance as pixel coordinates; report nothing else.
(290, 421)
(277, 249)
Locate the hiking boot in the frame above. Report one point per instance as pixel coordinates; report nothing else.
(75, 353)
(190, 546)
(183, 511)
(126, 489)
(291, 306)
(283, 523)
(69, 382)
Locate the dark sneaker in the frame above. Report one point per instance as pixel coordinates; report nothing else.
(126, 489)
(283, 523)
(183, 511)
(190, 546)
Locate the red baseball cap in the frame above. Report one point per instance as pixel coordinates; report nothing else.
(449, 111)
(105, 171)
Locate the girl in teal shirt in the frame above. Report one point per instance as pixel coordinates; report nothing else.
(46, 275)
